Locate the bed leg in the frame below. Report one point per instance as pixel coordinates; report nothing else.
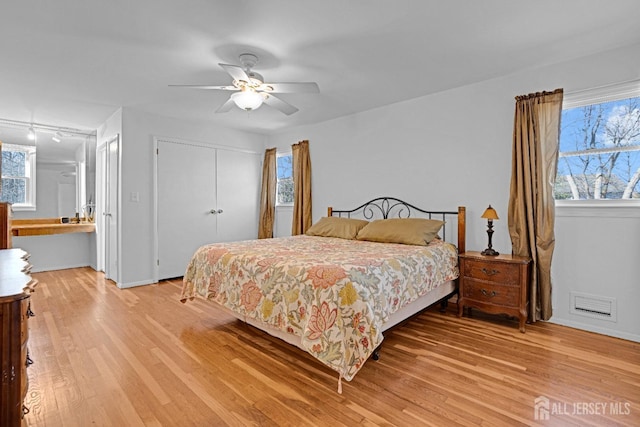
(376, 353)
(443, 305)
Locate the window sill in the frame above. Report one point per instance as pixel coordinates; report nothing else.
(598, 208)
(24, 208)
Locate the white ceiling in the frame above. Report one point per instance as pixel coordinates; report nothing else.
(73, 63)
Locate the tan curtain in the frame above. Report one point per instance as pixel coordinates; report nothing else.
(536, 133)
(268, 195)
(301, 188)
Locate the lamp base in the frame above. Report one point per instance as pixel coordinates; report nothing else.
(490, 252)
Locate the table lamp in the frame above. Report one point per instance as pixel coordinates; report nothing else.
(490, 214)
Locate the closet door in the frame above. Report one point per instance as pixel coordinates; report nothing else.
(186, 203)
(239, 176)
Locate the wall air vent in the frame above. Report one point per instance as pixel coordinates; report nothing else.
(594, 306)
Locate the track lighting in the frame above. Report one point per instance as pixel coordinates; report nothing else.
(57, 133)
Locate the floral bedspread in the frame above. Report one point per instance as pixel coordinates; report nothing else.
(333, 293)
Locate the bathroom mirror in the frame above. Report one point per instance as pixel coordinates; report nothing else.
(65, 167)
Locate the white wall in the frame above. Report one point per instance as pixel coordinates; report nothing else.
(58, 251)
(454, 148)
(418, 151)
(110, 128)
(282, 223)
(597, 254)
(136, 221)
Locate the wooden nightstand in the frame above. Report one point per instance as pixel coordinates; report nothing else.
(495, 284)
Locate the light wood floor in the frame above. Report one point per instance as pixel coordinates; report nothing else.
(110, 357)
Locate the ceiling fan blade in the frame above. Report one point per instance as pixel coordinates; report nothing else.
(226, 106)
(207, 87)
(236, 72)
(298, 87)
(278, 104)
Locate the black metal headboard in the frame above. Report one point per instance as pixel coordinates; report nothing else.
(391, 207)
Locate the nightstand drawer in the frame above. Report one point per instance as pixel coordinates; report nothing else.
(491, 293)
(503, 273)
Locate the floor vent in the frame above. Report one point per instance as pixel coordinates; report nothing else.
(594, 306)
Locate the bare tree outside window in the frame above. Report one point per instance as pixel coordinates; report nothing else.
(14, 175)
(600, 152)
(285, 180)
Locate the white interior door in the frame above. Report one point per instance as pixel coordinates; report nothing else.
(101, 167)
(111, 213)
(186, 204)
(239, 176)
(107, 199)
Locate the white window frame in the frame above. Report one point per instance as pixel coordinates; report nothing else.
(282, 154)
(599, 95)
(30, 176)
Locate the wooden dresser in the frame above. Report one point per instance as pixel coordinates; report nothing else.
(16, 286)
(495, 284)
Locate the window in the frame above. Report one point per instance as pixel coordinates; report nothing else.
(19, 176)
(600, 145)
(284, 187)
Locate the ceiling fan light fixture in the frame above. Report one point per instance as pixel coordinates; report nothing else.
(247, 99)
(251, 91)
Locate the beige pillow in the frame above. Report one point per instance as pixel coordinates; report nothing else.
(333, 226)
(409, 231)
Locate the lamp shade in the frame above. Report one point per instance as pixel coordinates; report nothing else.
(247, 99)
(490, 213)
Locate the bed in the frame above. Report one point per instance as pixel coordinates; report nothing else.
(335, 290)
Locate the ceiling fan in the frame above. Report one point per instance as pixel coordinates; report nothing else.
(251, 91)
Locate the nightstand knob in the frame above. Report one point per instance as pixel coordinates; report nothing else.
(488, 294)
(490, 272)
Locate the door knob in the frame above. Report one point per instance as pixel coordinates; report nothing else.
(213, 212)
(220, 211)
